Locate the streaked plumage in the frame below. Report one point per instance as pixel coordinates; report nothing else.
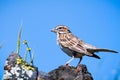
(75, 47)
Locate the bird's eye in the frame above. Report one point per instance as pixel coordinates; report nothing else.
(60, 27)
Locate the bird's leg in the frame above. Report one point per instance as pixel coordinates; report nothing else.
(67, 63)
(79, 61)
(78, 67)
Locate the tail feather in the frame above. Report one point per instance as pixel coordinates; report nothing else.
(104, 50)
(92, 51)
(96, 56)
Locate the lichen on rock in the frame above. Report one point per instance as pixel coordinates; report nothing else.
(16, 69)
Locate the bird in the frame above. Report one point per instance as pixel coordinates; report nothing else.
(74, 46)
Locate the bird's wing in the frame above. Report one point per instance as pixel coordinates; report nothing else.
(74, 43)
(88, 46)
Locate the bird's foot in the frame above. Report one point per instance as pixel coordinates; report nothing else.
(66, 64)
(78, 68)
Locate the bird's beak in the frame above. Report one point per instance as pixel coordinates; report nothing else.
(53, 30)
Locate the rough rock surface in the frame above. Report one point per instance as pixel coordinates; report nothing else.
(17, 69)
(70, 73)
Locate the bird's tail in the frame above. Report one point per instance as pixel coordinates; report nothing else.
(99, 50)
(104, 50)
(96, 56)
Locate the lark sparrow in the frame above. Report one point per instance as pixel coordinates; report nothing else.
(74, 46)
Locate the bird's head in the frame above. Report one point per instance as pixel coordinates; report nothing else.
(61, 29)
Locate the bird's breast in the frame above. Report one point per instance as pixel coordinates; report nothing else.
(67, 51)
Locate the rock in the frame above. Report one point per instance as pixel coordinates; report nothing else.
(70, 73)
(17, 69)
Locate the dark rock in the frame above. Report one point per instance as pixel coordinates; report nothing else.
(70, 73)
(43, 76)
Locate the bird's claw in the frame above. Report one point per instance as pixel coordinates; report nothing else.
(67, 64)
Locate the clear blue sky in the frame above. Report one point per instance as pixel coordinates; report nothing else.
(94, 21)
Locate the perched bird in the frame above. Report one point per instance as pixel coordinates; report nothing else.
(74, 46)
